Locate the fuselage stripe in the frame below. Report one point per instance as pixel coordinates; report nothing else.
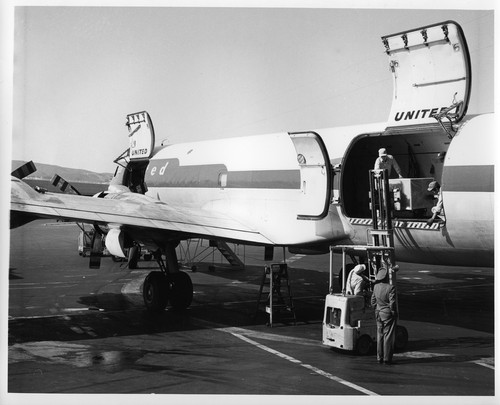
(468, 178)
(168, 173)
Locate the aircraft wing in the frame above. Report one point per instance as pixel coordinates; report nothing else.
(127, 209)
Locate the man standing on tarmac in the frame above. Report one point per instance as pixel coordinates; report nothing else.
(384, 302)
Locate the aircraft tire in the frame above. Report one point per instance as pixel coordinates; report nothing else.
(181, 290)
(155, 291)
(364, 345)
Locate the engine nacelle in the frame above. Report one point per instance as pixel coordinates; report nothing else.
(115, 242)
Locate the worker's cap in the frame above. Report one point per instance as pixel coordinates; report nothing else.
(382, 274)
(359, 269)
(382, 152)
(432, 185)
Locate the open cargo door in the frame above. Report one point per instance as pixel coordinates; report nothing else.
(314, 175)
(135, 159)
(141, 136)
(431, 72)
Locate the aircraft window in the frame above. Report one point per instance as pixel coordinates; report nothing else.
(301, 159)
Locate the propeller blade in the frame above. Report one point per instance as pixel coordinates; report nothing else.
(24, 170)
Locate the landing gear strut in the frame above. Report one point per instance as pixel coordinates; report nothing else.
(167, 285)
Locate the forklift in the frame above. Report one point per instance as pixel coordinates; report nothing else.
(349, 320)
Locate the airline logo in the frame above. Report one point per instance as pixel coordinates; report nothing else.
(417, 114)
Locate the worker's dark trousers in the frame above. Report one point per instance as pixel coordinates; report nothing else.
(386, 333)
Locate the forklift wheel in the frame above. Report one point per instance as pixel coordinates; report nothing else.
(364, 345)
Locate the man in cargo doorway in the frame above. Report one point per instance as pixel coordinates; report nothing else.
(437, 210)
(385, 161)
(384, 301)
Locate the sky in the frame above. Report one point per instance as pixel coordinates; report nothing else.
(209, 72)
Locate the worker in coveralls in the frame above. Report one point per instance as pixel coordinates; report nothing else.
(437, 210)
(385, 161)
(384, 302)
(357, 281)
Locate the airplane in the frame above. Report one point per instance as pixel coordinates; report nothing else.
(309, 190)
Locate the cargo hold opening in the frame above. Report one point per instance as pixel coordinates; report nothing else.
(420, 156)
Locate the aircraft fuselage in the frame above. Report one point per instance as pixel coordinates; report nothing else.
(264, 183)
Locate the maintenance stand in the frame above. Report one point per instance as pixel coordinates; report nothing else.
(279, 306)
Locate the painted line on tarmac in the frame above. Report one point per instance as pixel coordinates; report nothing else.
(38, 286)
(82, 309)
(294, 258)
(446, 288)
(307, 366)
(486, 362)
(62, 313)
(311, 342)
(271, 336)
(59, 223)
(420, 355)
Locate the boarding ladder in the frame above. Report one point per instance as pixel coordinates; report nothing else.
(279, 306)
(228, 253)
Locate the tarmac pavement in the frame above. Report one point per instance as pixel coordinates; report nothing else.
(77, 330)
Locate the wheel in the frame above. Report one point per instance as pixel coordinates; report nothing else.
(155, 291)
(401, 338)
(133, 257)
(181, 290)
(364, 345)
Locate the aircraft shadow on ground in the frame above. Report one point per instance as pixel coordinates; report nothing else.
(111, 315)
(218, 305)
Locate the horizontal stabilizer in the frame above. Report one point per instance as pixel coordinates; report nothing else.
(24, 170)
(59, 182)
